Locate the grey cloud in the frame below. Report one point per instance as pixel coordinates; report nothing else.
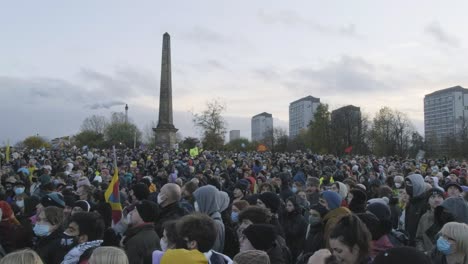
(267, 74)
(202, 34)
(292, 18)
(347, 74)
(105, 105)
(436, 31)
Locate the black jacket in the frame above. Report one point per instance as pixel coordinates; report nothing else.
(140, 242)
(50, 249)
(295, 228)
(416, 207)
(168, 213)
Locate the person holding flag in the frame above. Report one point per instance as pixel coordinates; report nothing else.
(112, 194)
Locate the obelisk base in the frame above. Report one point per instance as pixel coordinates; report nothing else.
(165, 137)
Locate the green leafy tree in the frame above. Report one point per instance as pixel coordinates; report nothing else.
(319, 130)
(35, 142)
(240, 144)
(90, 138)
(212, 125)
(121, 133)
(188, 143)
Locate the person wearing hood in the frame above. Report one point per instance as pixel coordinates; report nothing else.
(342, 190)
(452, 210)
(331, 201)
(208, 201)
(416, 207)
(423, 242)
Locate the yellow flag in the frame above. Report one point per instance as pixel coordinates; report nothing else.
(7, 152)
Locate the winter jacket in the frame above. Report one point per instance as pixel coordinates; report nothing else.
(140, 242)
(295, 227)
(170, 212)
(314, 238)
(423, 242)
(49, 247)
(416, 207)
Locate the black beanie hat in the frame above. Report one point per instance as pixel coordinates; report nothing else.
(271, 200)
(402, 255)
(148, 211)
(141, 191)
(69, 200)
(359, 196)
(261, 236)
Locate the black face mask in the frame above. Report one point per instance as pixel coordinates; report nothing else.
(68, 241)
(409, 188)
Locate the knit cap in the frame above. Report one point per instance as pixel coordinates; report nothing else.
(261, 236)
(53, 199)
(271, 201)
(148, 211)
(333, 199)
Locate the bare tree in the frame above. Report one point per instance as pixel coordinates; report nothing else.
(212, 125)
(95, 123)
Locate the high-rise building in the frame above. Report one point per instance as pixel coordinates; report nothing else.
(301, 113)
(234, 134)
(262, 126)
(346, 128)
(445, 114)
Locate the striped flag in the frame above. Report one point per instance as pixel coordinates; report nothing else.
(112, 194)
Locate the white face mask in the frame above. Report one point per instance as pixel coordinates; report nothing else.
(197, 209)
(129, 218)
(163, 244)
(161, 199)
(20, 204)
(397, 184)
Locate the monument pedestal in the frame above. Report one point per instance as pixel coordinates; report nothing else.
(165, 137)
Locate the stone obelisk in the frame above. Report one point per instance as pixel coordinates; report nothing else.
(165, 131)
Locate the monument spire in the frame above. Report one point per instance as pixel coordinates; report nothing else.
(165, 130)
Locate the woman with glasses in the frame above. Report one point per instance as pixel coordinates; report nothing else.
(452, 244)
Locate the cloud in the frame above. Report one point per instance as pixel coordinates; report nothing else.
(291, 18)
(202, 34)
(267, 73)
(105, 105)
(435, 30)
(348, 74)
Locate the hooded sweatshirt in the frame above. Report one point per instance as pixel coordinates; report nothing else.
(416, 207)
(458, 208)
(209, 201)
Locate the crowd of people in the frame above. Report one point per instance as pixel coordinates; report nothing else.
(226, 207)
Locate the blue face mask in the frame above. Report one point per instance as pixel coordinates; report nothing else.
(19, 191)
(41, 230)
(235, 217)
(294, 189)
(444, 246)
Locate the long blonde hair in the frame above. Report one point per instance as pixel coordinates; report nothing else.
(108, 255)
(25, 256)
(458, 232)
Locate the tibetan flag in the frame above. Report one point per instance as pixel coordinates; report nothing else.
(7, 152)
(112, 194)
(348, 149)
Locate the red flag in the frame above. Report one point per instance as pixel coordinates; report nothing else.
(348, 149)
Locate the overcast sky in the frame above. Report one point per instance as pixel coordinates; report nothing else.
(61, 61)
